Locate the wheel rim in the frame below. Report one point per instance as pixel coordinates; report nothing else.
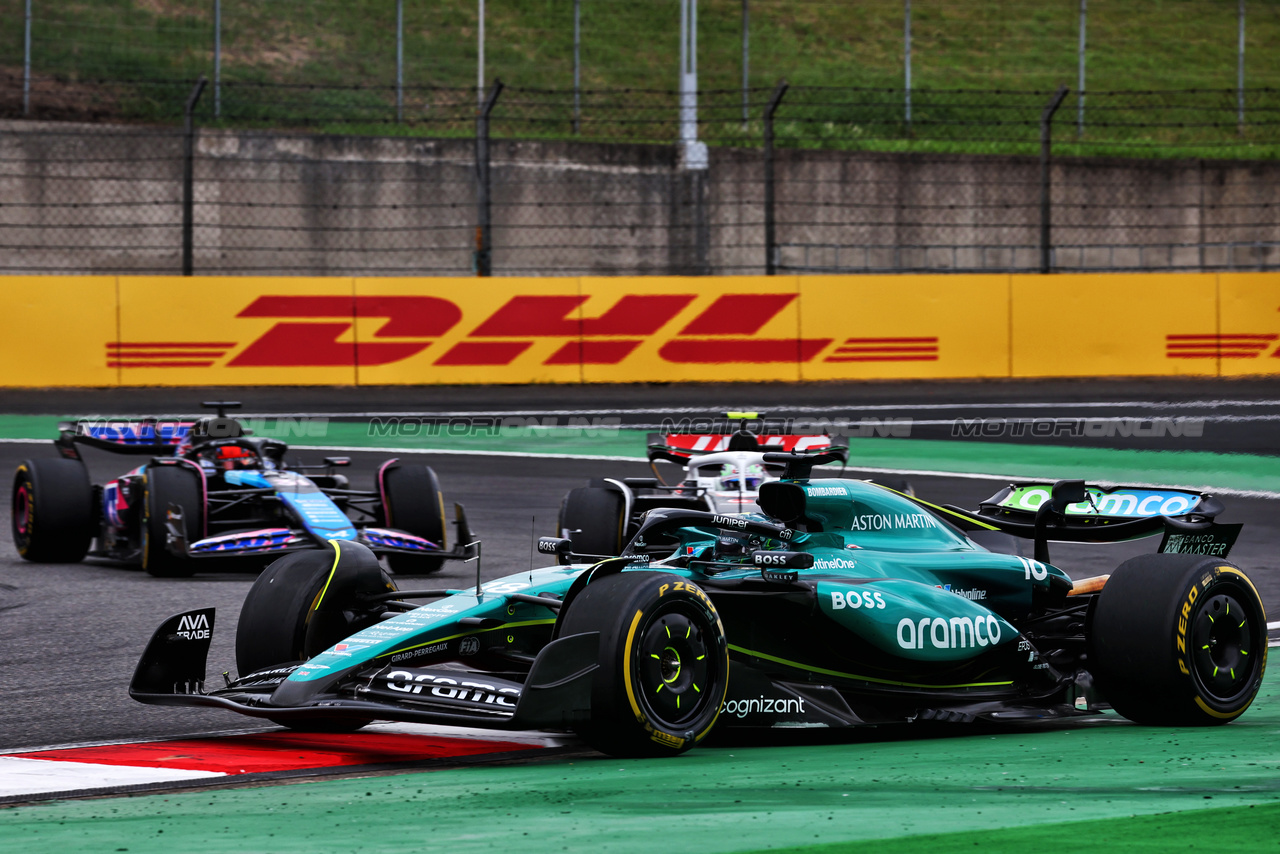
(676, 667)
(22, 511)
(1224, 654)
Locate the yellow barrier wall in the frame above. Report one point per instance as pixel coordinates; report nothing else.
(906, 327)
(59, 331)
(128, 330)
(1249, 326)
(1112, 325)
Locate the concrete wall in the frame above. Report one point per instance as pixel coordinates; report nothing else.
(97, 198)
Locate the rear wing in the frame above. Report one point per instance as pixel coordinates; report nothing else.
(1102, 505)
(1071, 511)
(679, 447)
(150, 436)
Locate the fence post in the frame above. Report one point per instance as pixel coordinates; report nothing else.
(26, 61)
(1046, 125)
(1240, 69)
(577, 65)
(746, 60)
(480, 53)
(217, 59)
(188, 176)
(906, 62)
(484, 243)
(399, 61)
(1084, 14)
(770, 238)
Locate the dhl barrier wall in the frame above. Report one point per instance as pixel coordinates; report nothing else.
(122, 330)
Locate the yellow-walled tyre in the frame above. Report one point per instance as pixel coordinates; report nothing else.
(302, 604)
(664, 663)
(1178, 640)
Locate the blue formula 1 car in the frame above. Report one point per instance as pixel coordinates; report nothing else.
(844, 604)
(210, 491)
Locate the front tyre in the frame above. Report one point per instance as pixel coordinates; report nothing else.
(413, 502)
(305, 602)
(664, 663)
(163, 485)
(52, 512)
(301, 605)
(1179, 640)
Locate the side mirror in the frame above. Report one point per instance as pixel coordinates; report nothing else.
(1064, 493)
(337, 461)
(1067, 492)
(561, 547)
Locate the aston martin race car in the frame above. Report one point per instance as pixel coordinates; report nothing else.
(841, 605)
(720, 473)
(212, 492)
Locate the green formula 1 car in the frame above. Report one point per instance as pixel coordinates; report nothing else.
(844, 604)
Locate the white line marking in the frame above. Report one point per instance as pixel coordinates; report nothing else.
(114, 742)
(20, 776)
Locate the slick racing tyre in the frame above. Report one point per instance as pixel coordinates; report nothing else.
(592, 518)
(664, 663)
(162, 486)
(52, 510)
(1178, 640)
(415, 504)
(301, 605)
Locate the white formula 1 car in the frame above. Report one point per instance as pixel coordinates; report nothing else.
(722, 473)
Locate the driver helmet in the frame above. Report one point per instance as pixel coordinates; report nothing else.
(228, 457)
(750, 477)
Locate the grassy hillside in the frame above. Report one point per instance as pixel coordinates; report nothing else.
(988, 44)
(1022, 45)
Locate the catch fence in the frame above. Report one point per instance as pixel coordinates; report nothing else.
(308, 180)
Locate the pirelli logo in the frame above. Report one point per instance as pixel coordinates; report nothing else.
(570, 329)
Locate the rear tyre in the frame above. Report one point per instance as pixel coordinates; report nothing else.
(301, 605)
(1179, 640)
(162, 486)
(415, 504)
(52, 510)
(664, 663)
(593, 519)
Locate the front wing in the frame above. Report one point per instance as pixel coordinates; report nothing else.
(555, 694)
(276, 541)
